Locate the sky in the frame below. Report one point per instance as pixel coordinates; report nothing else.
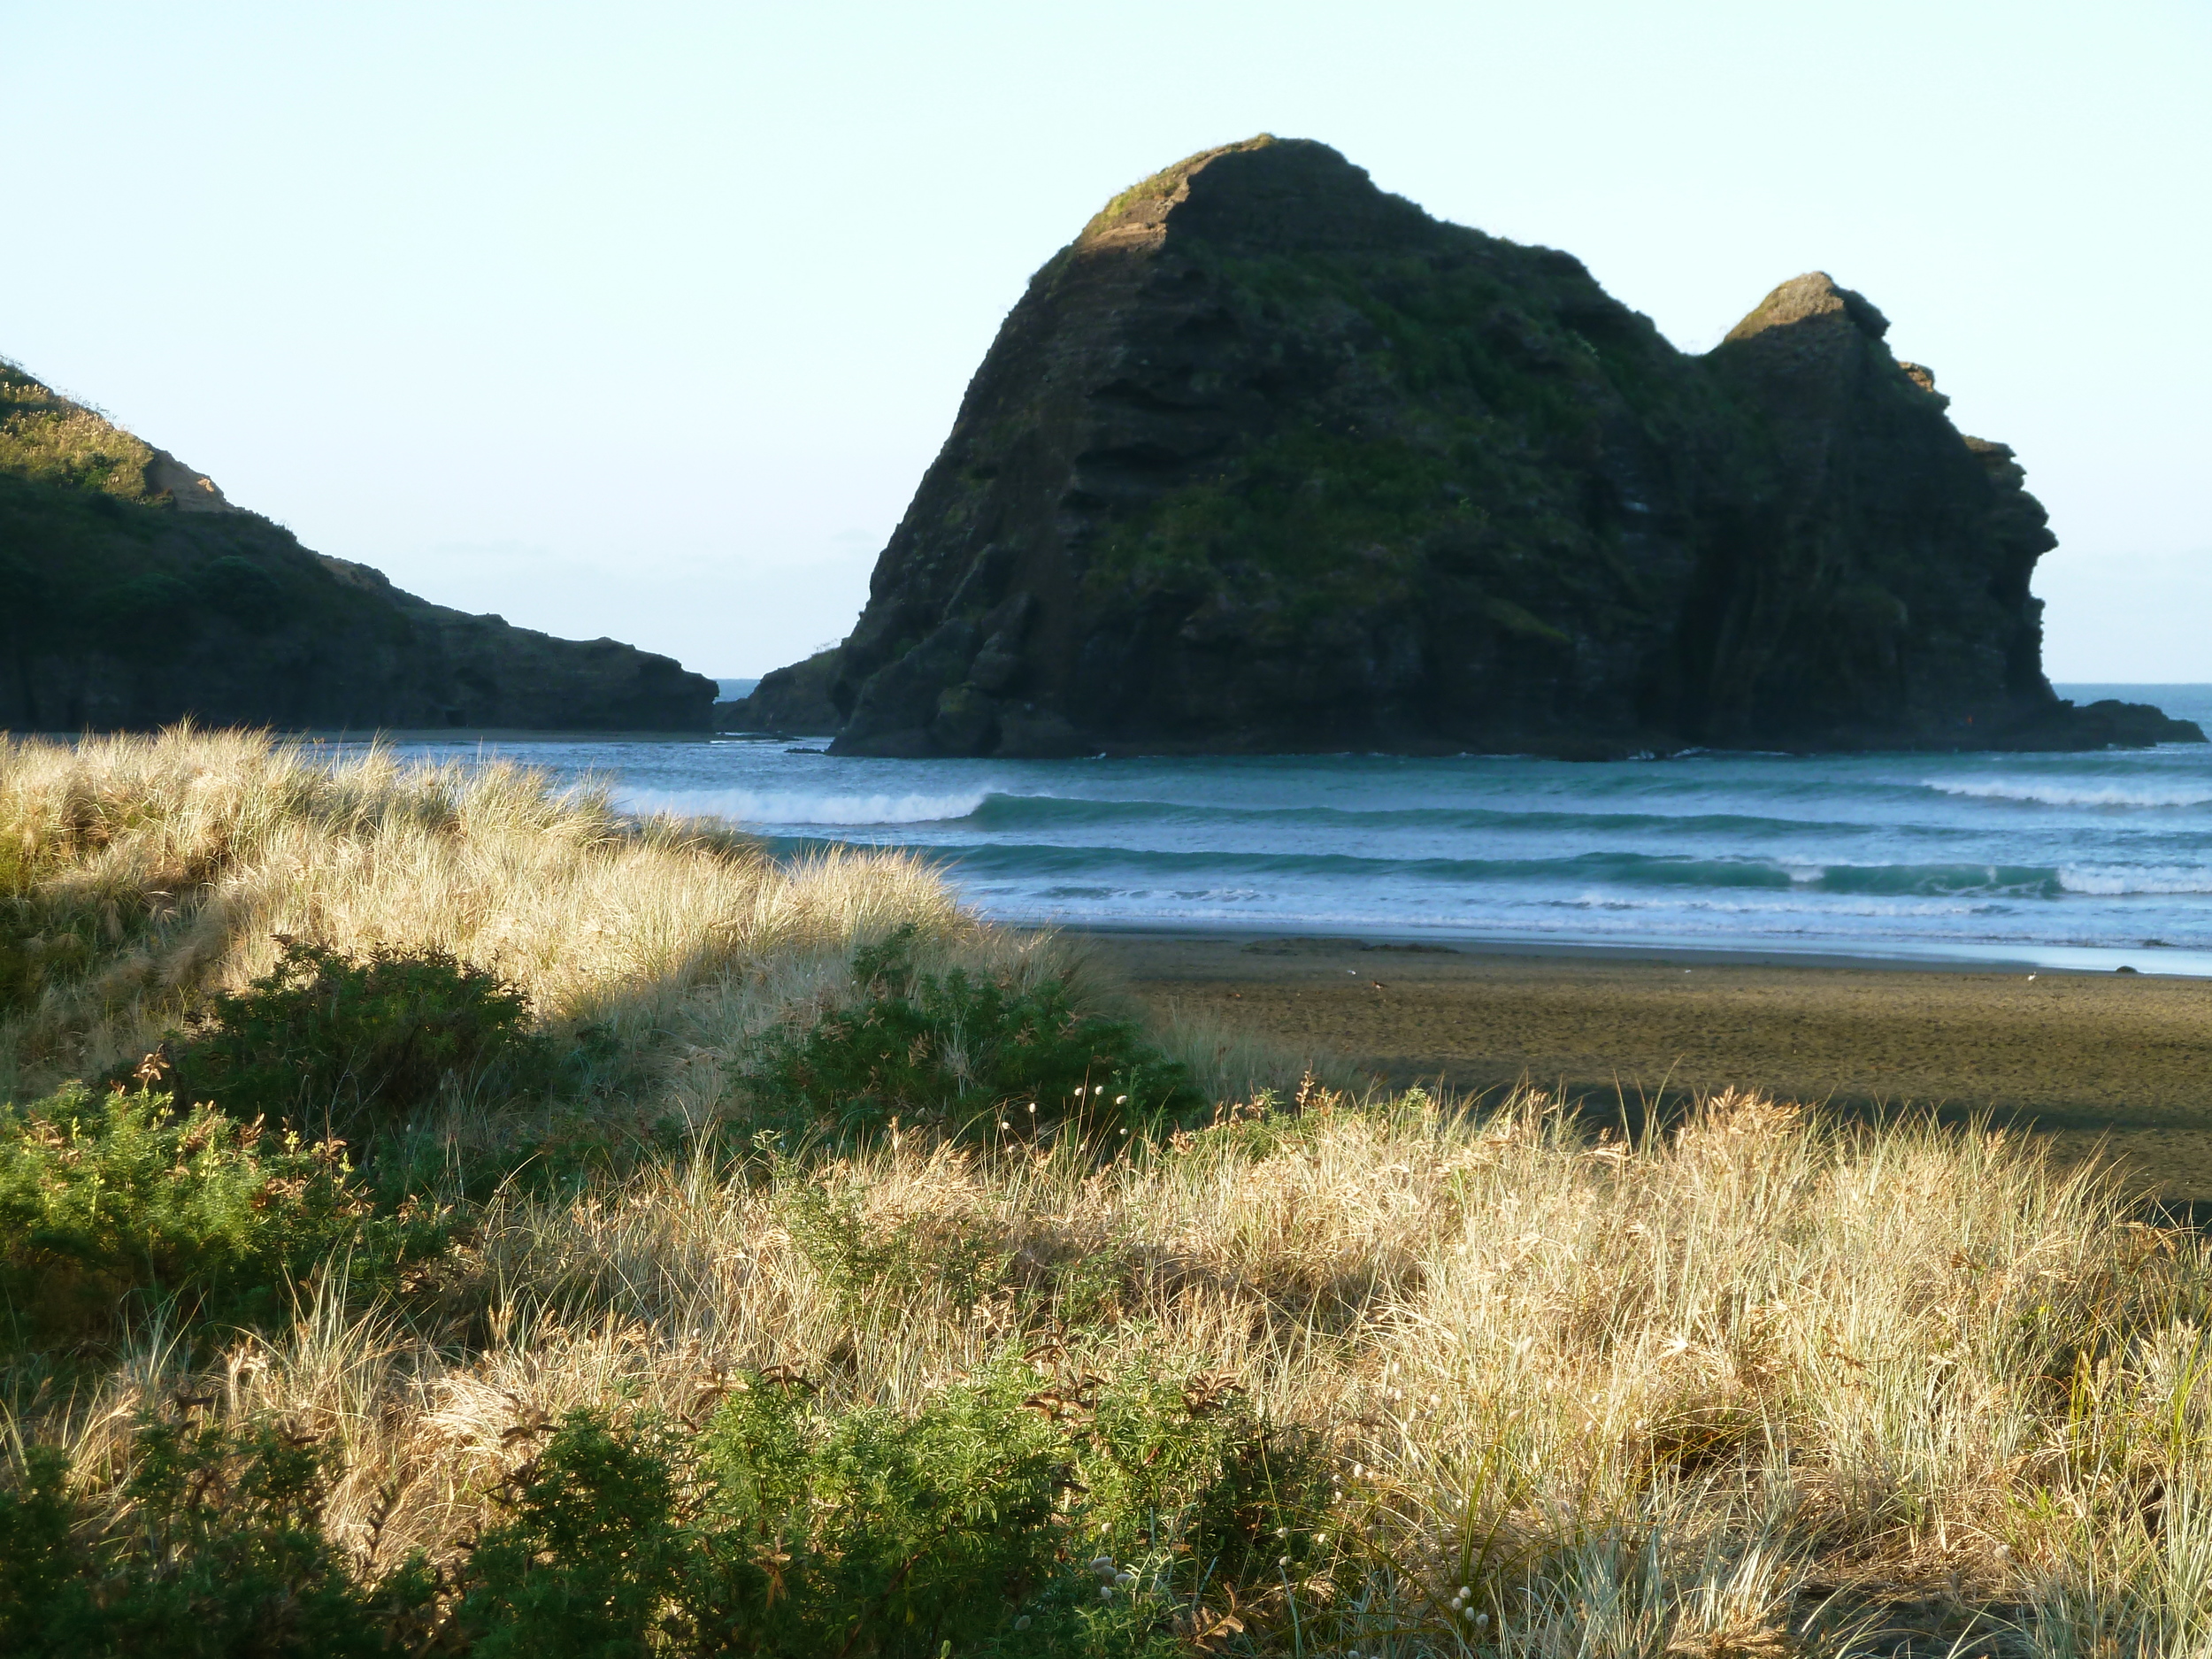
(644, 320)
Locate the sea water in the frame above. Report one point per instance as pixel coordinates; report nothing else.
(2086, 860)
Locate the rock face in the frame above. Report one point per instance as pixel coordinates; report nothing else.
(1267, 460)
(792, 701)
(132, 594)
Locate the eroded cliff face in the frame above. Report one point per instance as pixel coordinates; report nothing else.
(1267, 459)
(133, 595)
(1885, 598)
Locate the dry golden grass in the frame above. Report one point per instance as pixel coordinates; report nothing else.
(1758, 1384)
(1685, 1397)
(183, 857)
(44, 434)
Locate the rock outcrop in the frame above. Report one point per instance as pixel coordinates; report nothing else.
(1267, 459)
(132, 594)
(792, 701)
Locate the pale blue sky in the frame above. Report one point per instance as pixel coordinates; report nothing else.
(644, 319)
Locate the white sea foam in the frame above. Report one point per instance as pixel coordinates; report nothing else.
(2052, 792)
(795, 808)
(2115, 880)
(1871, 907)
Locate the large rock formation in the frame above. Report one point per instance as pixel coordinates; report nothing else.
(1267, 459)
(132, 594)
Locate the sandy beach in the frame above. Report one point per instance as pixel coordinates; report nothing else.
(2122, 1060)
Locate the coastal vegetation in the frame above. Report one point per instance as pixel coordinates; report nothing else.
(106, 540)
(442, 1215)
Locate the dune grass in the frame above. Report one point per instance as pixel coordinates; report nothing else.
(1755, 1384)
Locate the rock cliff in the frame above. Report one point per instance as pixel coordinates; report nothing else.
(132, 594)
(1267, 459)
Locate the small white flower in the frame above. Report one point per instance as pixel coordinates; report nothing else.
(1282, 1531)
(1466, 1594)
(1482, 1619)
(1121, 1100)
(1106, 1592)
(1125, 1579)
(1103, 1566)
(1282, 1561)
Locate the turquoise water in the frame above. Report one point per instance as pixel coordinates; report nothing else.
(2067, 860)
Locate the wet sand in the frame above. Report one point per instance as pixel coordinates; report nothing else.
(2124, 1060)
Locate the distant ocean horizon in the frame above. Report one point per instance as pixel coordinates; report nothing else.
(2086, 860)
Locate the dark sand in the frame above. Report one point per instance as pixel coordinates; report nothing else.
(2125, 1060)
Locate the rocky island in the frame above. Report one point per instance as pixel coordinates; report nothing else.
(1269, 460)
(134, 595)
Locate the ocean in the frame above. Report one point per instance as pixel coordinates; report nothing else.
(2081, 861)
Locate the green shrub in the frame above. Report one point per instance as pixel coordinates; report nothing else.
(148, 601)
(1004, 1518)
(220, 1552)
(112, 1202)
(918, 1531)
(1079, 1519)
(241, 589)
(594, 1561)
(41, 1579)
(977, 1058)
(1192, 1457)
(340, 1044)
(859, 1260)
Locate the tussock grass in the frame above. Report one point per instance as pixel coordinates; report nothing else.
(1743, 1389)
(137, 874)
(1755, 1384)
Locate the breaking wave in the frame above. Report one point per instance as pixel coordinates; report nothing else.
(2051, 792)
(782, 807)
(2116, 882)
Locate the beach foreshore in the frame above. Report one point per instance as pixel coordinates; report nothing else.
(2095, 1059)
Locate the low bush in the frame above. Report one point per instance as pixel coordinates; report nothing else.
(862, 1262)
(1191, 1460)
(596, 1558)
(978, 1057)
(913, 1530)
(218, 1548)
(336, 1043)
(1078, 1518)
(1002, 1518)
(111, 1203)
